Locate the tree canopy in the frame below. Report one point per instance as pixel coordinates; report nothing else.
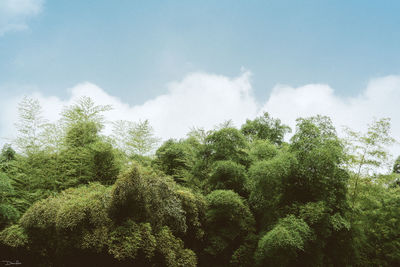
(70, 195)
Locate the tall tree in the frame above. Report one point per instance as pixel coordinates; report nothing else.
(367, 153)
(85, 110)
(265, 128)
(30, 125)
(86, 155)
(135, 138)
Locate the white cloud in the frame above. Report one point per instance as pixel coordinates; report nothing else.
(205, 100)
(15, 13)
(201, 100)
(380, 99)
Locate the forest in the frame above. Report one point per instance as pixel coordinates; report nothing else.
(71, 195)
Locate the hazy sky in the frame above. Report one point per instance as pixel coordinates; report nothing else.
(170, 60)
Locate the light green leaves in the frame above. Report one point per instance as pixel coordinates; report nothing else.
(134, 138)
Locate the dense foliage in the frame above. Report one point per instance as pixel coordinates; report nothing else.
(71, 196)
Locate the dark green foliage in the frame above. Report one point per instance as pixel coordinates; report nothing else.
(175, 158)
(229, 223)
(266, 182)
(319, 183)
(8, 213)
(228, 175)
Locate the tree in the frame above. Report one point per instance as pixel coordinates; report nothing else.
(84, 111)
(228, 175)
(223, 144)
(135, 138)
(30, 125)
(282, 245)
(86, 156)
(367, 153)
(226, 144)
(319, 180)
(266, 179)
(377, 224)
(175, 158)
(265, 128)
(320, 155)
(74, 228)
(262, 150)
(228, 226)
(8, 213)
(7, 156)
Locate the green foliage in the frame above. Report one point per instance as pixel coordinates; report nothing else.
(281, 245)
(378, 224)
(226, 144)
(313, 212)
(70, 196)
(176, 159)
(134, 138)
(266, 183)
(228, 175)
(86, 156)
(85, 111)
(8, 214)
(319, 154)
(72, 209)
(194, 205)
(172, 250)
(262, 150)
(30, 125)
(81, 134)
(229, 223)
(14, 236)
(128, 240)
(60, 226)
(265, 128)
(144, 196)
(7, 157)
(367, 152)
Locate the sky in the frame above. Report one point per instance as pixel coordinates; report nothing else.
(197, 63)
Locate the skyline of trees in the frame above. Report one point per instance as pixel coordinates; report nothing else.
(246, 196)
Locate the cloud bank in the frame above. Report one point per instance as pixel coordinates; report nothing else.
(205, 100)
(14, 14)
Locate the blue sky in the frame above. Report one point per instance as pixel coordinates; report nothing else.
(197, 63)
(133, 48)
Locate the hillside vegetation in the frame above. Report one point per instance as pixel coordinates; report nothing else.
(71, 196)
